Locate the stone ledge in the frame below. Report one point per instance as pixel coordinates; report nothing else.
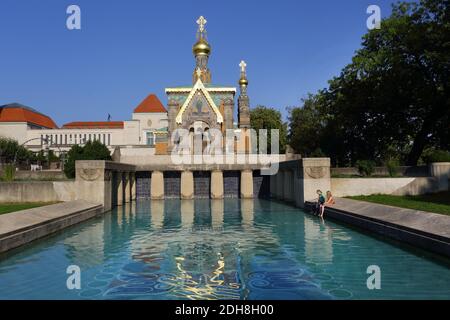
(106, 165)
(425, 230)
(21, 227)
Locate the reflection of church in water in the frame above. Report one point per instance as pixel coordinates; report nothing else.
(204, 106)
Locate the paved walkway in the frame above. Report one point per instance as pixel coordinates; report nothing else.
(20, 227)
(427, 222)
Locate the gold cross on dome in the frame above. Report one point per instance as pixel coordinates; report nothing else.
(243, 65)
(201, 24)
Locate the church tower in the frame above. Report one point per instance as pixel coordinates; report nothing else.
(243, 100)
(201, 50)
(201, 107)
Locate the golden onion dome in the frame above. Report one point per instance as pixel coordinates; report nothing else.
(201, 48)
(243, 81)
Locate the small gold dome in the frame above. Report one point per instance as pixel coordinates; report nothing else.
(243, 82)
(201, 48)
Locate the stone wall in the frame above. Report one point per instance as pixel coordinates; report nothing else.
(404, 171)
(436, 181)
(344, 187)
(37, 191)
(298, 180)
(261, 185)
(105, 182)
(47, 175)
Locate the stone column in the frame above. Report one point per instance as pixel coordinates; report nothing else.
(157, 185)
(133, 185)
(297, 187)
(273, 186)
(279, 185)
(287, 186)
(93, 182)
(127, 186)
(228, 113)
(246, 184)
(187, 185)
(441, 171)
(119, 188)
(217, 184)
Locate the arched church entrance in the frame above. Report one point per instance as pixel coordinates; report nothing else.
(199, 136)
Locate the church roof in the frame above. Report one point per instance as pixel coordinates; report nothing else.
(150, 104)
(16, 112)
(94, 125)
(199, 86)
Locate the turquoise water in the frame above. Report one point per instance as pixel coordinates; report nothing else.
(231, 249)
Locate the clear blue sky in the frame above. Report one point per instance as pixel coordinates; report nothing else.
(129, 49)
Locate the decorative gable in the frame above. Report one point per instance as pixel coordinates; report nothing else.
(199, 88)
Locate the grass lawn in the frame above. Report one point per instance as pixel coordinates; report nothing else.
(436, 202)
(11, 207)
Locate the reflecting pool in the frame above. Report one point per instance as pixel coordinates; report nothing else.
(218, 249)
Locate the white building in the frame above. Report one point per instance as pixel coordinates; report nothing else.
(147, 129)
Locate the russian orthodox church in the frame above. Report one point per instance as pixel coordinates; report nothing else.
(196, 108)
(203, 105)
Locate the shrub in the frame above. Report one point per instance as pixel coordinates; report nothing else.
(93, 150)
(10, 150)
(435, 155)
(9, 172)
(392, 167)
(365, 167)
(317, 153)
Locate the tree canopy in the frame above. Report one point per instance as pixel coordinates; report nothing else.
(262, 117)
(92, 150)
(392, 100)
(10, 150)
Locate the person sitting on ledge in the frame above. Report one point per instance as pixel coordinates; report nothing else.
(320, 205)
(330, 200)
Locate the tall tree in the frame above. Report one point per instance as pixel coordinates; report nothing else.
(263, 117)
(395, 93)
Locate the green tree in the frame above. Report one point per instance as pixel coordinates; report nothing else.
(92, 150)
(10, 150)
(268, 118)
(394, 96)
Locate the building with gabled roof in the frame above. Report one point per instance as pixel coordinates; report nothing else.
(195, 109)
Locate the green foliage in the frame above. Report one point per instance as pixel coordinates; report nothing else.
(10, 150)
(392, 166)
(365, 167)
(9, 172)
(92, 150)
(12, 207)
(433, 155)
(269, 118)
(51, 157)
(318, 153)
(75, 153)
(394, 95)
